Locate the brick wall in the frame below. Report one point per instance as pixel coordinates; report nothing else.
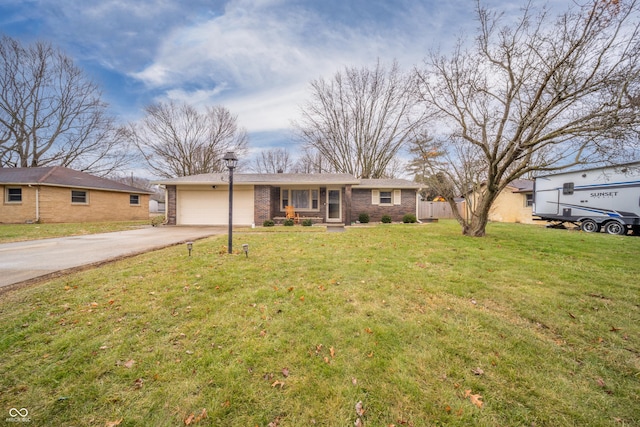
(15, 213)
(171, 212)
(262, 204)
(361, 203)
(56, 206)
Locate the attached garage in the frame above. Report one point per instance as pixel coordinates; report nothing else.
(198, 205)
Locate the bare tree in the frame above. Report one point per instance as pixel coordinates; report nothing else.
(178, 140)
(536, 95)
(359, 120)
(423, 151)
(273, 161)
(311, 161)
(52, 114)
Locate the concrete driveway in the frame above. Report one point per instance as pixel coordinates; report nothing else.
(24, 261)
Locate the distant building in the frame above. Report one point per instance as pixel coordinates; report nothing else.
(514, 203)
(57, 194)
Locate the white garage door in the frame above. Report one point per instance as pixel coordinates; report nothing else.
(211, 206)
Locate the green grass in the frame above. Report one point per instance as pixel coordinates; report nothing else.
(22, 232)
(398, 317)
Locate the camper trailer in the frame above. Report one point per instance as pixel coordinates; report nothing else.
(605, 198)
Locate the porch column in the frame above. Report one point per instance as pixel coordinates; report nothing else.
(347, 205)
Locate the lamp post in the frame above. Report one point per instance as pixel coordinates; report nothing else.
(231, 161)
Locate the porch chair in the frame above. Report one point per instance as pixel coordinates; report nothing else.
(290, 213)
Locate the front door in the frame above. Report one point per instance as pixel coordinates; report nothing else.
(334, 205)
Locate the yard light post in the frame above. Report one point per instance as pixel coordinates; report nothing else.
(231, 161)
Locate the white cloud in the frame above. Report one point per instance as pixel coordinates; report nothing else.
(257, 59)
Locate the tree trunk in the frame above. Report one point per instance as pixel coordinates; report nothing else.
(475, 224)
(476, 227)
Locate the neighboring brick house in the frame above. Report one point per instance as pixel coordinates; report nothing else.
(323, 198)
(57, 194)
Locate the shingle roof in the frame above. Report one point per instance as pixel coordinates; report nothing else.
(59, 176)
(264, 179)
(522, 185)
(387, 183)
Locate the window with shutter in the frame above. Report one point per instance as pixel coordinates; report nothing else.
(397, 197)
(375, 197)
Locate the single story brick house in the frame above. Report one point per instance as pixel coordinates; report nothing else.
(323, 198)
(57, 194)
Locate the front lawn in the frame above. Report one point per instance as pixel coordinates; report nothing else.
(405, 325)
(22, 232)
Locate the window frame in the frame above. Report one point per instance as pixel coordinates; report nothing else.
(395, 198)
(385, 197)
(7, 197)
(137, 202)
(528, 200)
(286, 198)
(567, 188)
(85, 197)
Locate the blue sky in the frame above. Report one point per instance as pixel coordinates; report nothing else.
(255, 57)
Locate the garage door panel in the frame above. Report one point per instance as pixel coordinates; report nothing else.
(195, 207)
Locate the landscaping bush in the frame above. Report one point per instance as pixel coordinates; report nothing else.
(157, 220)
(288, 222)
(409, 219)
(307, 222)
(386, 219)
(268, 223)
(363, 218)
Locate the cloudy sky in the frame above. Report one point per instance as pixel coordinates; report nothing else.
(255, 57)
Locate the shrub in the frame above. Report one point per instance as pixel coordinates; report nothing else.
(268, 223)
(363, 218)
(288, 222)
(307, 222)
(386, 219)
(157, 220)
(409, 219)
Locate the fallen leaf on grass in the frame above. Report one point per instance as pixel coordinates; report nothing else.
(476, 399)
(138, 383)
(192, 419)
(359, 409)
(368, 330)
(113, 423)
(278, 383)
(332, 351)
(354, 381)
(477, 371)
(358, 423)
(600, 382)
(274, 423)
(285, 372)
(129, 363)
(202, 415)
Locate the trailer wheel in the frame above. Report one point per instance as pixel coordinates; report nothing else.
(614, 227)
(590, 226)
